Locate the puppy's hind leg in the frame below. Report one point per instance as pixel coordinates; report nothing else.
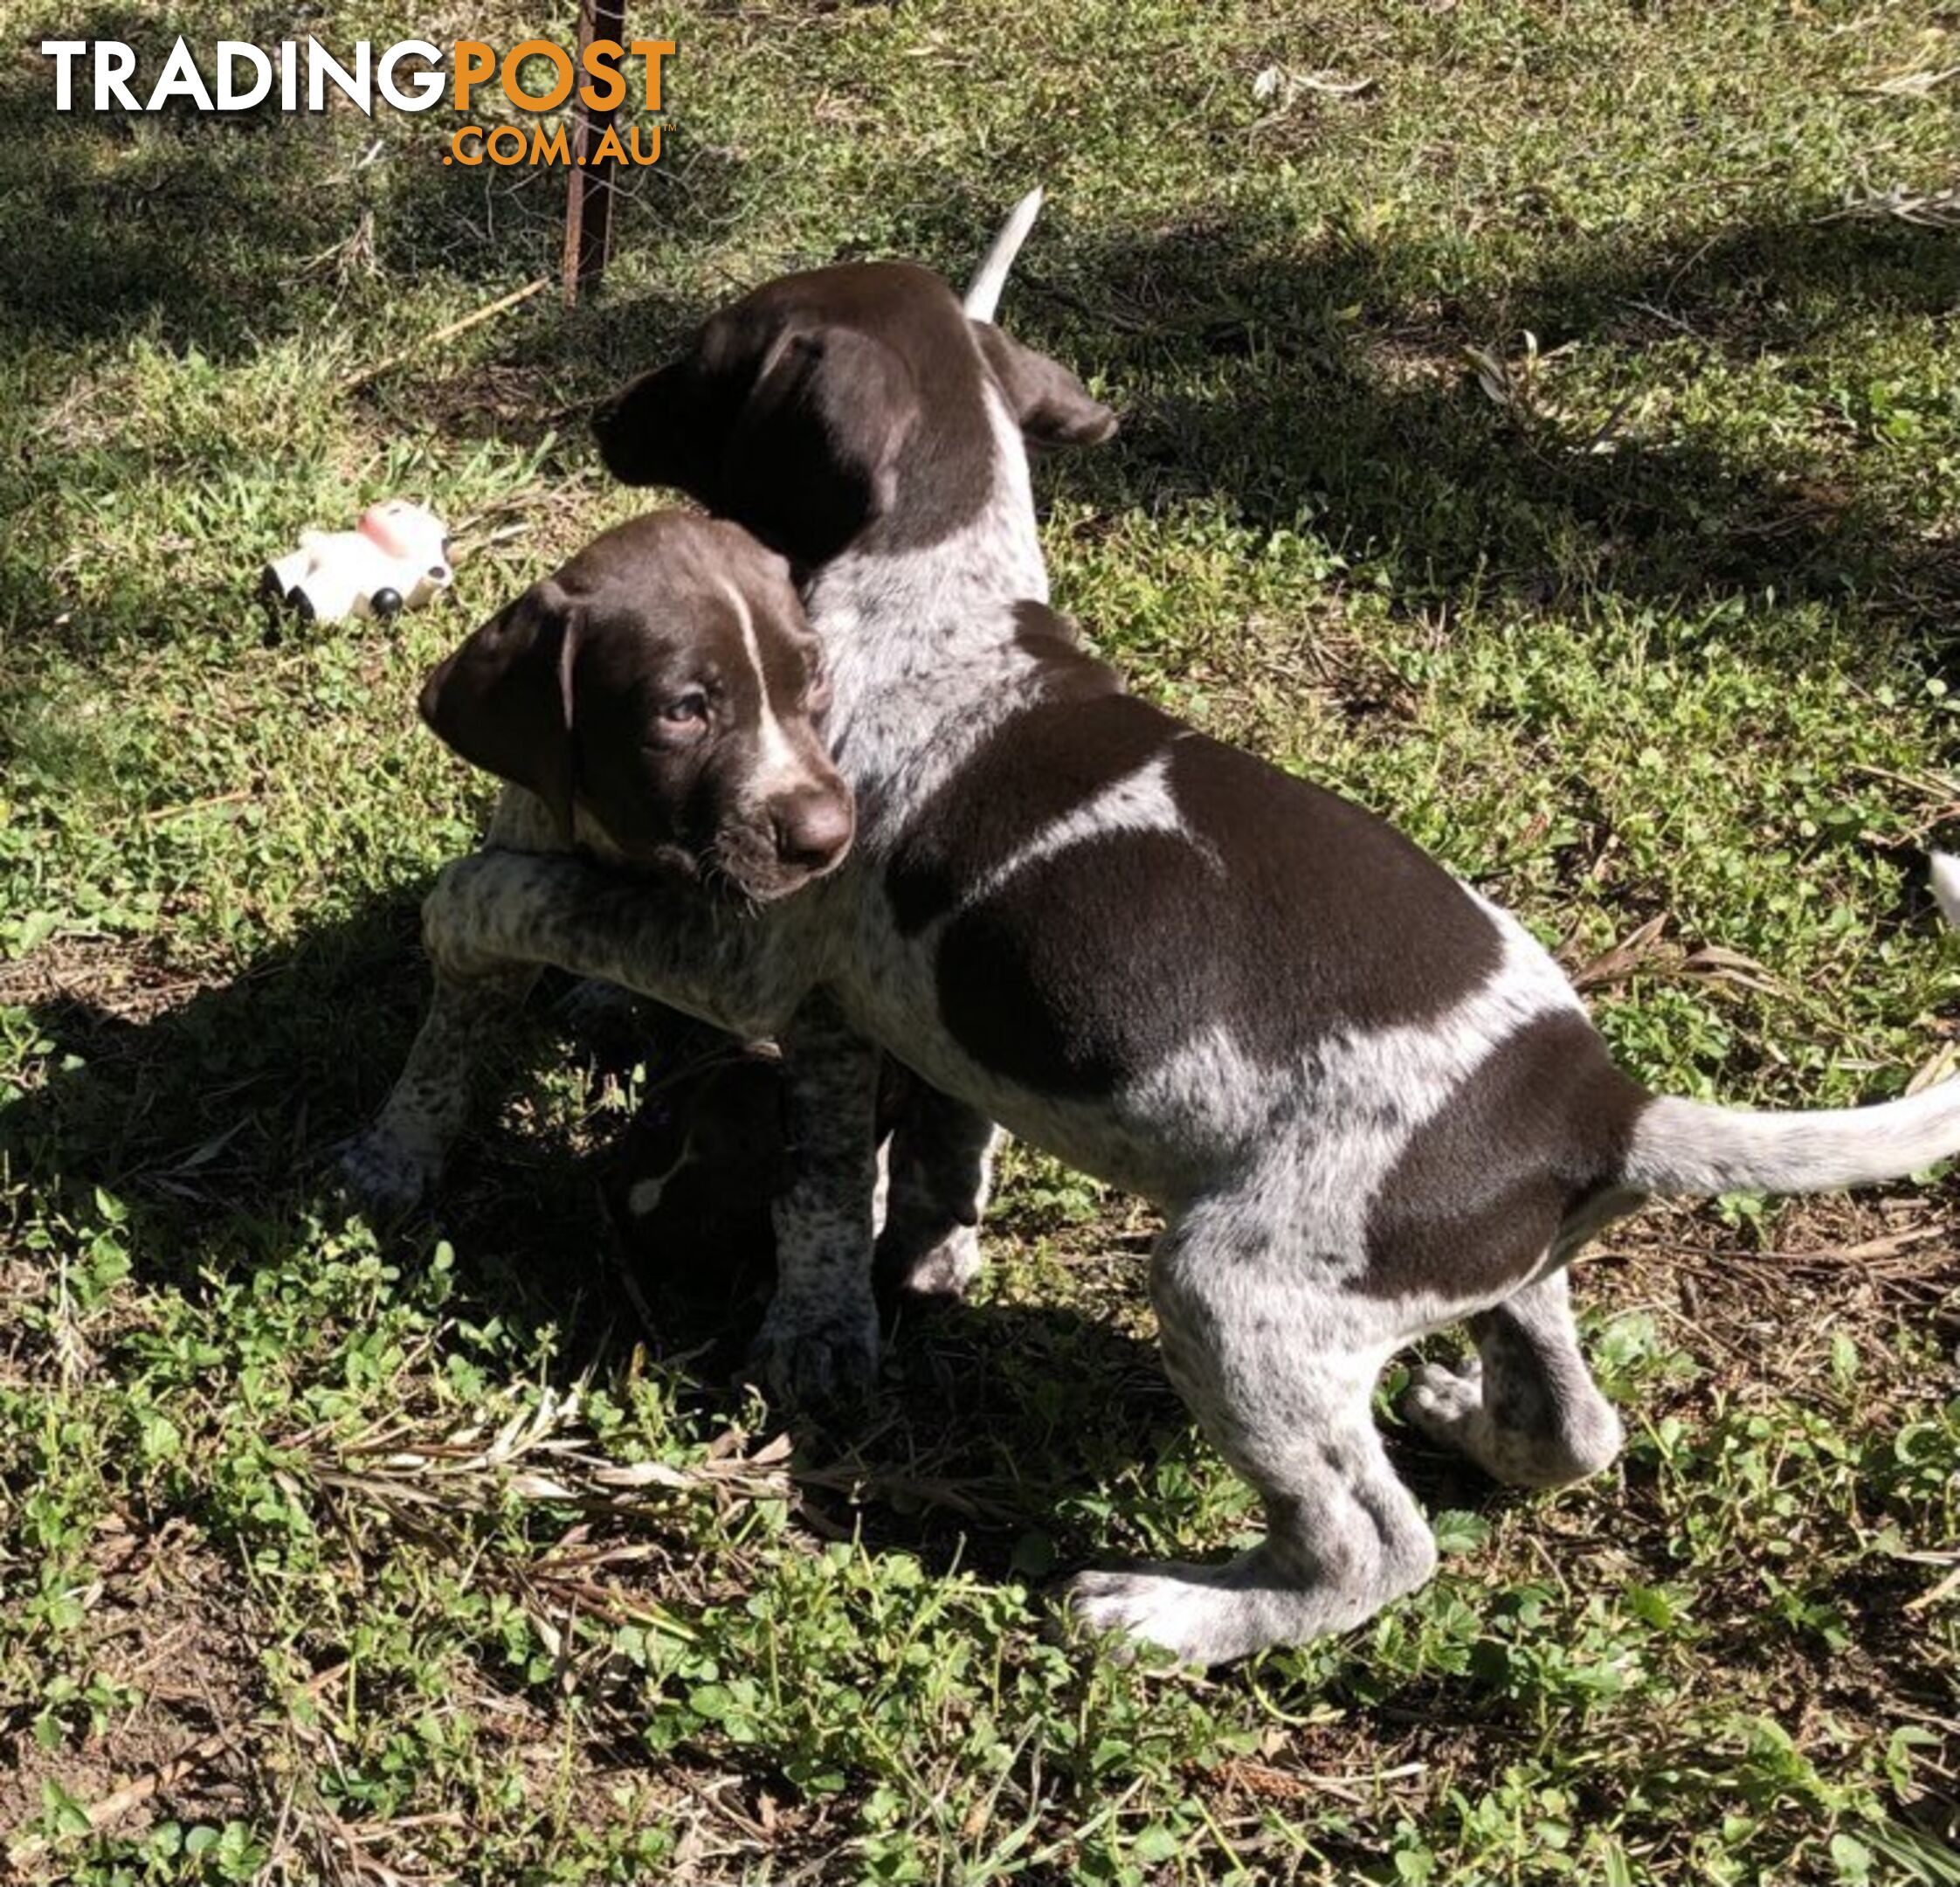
(1525, 1409)
(1277, 1363)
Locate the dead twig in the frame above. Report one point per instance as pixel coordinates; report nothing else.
(354, 382)
(1925, 209)
(113, 1807)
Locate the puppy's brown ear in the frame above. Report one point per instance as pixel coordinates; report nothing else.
(504, 700)
(1052, 406)
(812, 456)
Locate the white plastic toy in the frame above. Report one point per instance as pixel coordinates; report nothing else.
(397, 558)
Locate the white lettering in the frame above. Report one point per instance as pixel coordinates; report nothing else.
(63, 52)
(180, 78)
(323, 65)
(426, 85)
(114, 63)
(230, 52)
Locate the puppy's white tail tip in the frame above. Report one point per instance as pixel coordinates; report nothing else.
(982, 297)
(1685, 1147)
(1946, 886)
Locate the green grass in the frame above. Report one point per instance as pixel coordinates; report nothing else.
(1525, 443)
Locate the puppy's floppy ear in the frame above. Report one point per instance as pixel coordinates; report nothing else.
(812, 456)
(1052, 405)
(504, 700)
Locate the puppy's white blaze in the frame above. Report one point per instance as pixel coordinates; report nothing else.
(982, 297)
(779, 766)
(1689, 1148)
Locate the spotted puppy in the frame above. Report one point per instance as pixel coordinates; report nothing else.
(656, 703)
(1368, 1104)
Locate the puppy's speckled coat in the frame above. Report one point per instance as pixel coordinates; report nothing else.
(1367, 1102)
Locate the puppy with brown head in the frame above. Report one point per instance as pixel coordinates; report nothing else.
(1367, 1101)
(657, 703)
(662, 695)
(801, 409)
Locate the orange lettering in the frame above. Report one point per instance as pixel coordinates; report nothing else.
(507, 152)
(652, 51)
(561, 86)
(602, 62)
(474, 63)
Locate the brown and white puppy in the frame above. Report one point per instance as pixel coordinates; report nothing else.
(662, 696)
(1366, 1100)
(659, 704)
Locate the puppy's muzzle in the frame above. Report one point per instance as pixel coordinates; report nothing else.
(812, 828)
(790, 840)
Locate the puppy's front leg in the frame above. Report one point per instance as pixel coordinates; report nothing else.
(820, 1335)
(744, 973)
(395, 1163)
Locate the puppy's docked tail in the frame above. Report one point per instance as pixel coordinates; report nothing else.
(1688, 1147)
(983, 296)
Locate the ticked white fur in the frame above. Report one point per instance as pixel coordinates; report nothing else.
(1267, 1174)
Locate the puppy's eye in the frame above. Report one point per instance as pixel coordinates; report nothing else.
(685, 711)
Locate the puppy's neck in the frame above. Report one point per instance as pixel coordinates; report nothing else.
(891, 605)
(919, 636)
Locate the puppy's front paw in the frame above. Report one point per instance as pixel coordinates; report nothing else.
(385, 1175)
(1164, 1609)
(811, 1355)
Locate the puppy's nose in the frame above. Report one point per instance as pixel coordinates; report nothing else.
(812, 827)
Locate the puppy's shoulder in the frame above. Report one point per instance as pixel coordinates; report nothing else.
(1065, 668)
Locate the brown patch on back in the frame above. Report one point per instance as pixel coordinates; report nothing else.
(1088, 733)
(1281, 912)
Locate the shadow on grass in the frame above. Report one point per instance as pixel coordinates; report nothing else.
(1323, 381)
(212, 1113)
(1328, 382)
(1313, 375)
